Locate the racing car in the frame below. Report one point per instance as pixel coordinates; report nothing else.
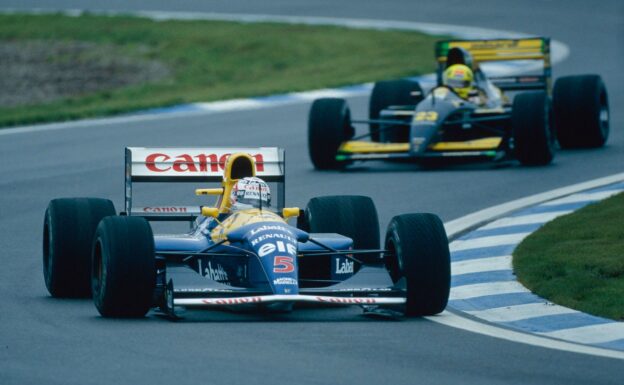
(516, 117)
(252, 258)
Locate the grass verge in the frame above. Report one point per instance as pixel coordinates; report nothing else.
(212, 60)
(578, 260)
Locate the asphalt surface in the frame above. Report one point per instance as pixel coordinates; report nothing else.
(44, 340)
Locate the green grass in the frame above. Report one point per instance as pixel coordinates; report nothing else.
(212, 60)
(578, 260)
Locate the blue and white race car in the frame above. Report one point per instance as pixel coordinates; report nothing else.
(241, 251)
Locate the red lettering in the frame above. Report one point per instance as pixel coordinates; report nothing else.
(222, 161)
(195, 163)
(150, 162)
(259, 162)
(184, 163)
(283, 265)
(205, 160)
(349, 301)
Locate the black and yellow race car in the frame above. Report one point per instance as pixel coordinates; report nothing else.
(517, 117)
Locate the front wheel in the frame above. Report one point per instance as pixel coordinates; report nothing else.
(534, 142)
(329, 124)
(353, 216)
(68, 228)
(418, 253)
(392, 93)
(123, 276)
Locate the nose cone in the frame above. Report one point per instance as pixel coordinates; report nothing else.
(276, 245)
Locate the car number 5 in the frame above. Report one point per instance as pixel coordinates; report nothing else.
(283, 265)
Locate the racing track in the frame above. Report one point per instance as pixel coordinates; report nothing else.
(43, 340)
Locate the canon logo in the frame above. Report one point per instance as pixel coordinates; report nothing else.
(159, 162)
(352, 301)
(164, 209)
(232, 301)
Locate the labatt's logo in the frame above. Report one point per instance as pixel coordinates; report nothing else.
(159, 162)
(345, 267)
(217, 274)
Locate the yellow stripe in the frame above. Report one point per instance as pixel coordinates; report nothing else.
(479, 144)
(372, 147)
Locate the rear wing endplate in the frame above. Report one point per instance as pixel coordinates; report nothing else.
(496, 50)
(193, 164)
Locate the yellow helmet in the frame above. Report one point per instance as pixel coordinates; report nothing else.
(459, 77)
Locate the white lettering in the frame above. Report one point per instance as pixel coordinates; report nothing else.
(218, 274)
(345, 267)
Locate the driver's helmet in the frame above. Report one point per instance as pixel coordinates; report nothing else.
(249, 193)
(460, 78)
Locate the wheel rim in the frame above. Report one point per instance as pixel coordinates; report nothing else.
(393, 263)
(604, 116)
(47, 243)
(98, 269)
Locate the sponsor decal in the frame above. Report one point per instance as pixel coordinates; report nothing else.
(367, 289)
(283, 264)
(217, 274)
(344, 267)
(165, 209)
(280, 246)
(202, 290)
(264, 237)
(348, 301)
(267, 228)
(187, 163)
(232, 301)
(284, 281)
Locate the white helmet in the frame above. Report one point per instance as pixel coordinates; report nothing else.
(249, 193)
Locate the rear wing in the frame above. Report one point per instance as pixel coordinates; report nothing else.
(535, 49)
(193, 164)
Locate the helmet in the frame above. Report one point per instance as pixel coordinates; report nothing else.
(249, 193)
(459, 77)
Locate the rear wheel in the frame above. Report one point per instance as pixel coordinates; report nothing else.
(124, 269)
(419, 253)
(534, 142)
(353, 216)
(329, 124)
(68, 230)
(391, 93)
(581, 111)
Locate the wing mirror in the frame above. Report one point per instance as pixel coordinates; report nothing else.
(209, 191)
(290, 212)
(210, 212)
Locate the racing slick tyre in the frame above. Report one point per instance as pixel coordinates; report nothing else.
(123, 277)
(534, 142)
(68, 228)
(329, 124)
(581, 111)
(418, 252)
(391, 93)
(353, 216)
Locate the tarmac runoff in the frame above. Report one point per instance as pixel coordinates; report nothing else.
(484, 286)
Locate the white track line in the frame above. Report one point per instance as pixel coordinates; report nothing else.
(525, 219)
(490, 241)
(520, 312)
(488, 288)
(481, 265)
(450, 319)
(593, 334)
